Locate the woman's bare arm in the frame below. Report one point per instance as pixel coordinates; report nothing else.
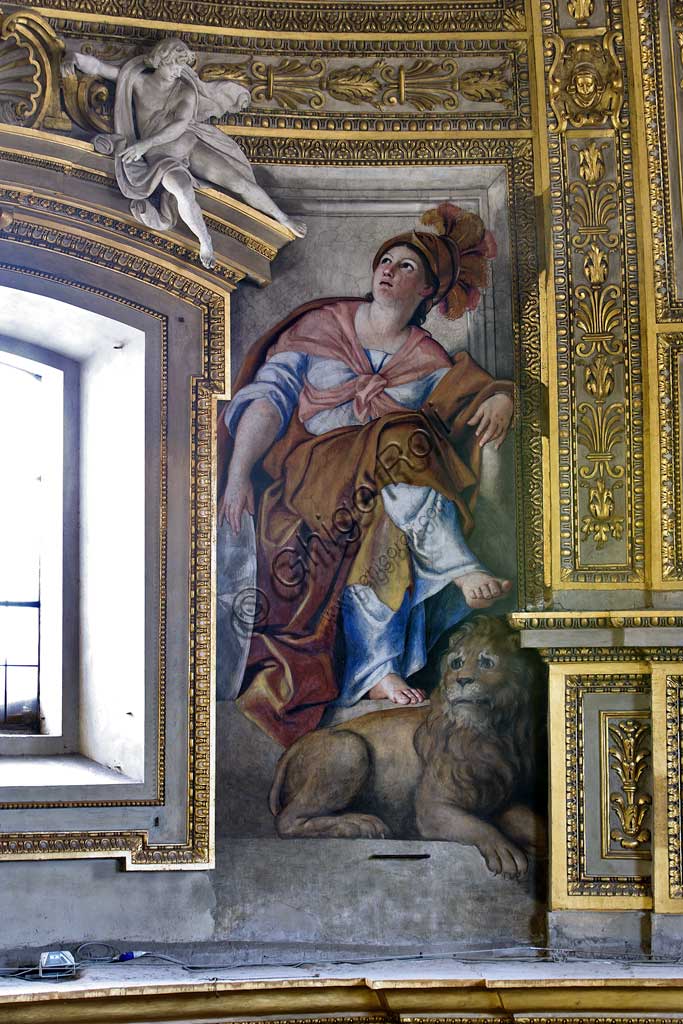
(256, 431)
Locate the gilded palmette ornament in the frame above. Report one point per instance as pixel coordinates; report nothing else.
(422, 84)
(601, 522)
(599, 430)
(581, 11)
(593, 201)
(598, 315)
(599, 378)
(290, 83)
(596, 264)
(629, 759)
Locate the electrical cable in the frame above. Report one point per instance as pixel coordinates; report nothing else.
(104, 954)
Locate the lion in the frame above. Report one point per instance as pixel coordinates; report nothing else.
(460, 769)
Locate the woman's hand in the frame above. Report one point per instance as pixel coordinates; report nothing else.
(135, 152)
(492, 420)
(238, 495)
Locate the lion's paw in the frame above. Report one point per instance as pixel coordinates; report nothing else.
(360, 826)
(504, 858)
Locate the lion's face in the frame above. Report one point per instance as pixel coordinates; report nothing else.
(480, 676)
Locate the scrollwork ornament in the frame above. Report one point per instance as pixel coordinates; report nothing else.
(30, 56)
(585, 83)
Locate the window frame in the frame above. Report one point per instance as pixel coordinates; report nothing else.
(63, 738)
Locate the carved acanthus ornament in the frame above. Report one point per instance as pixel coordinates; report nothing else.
(422, 84)
(629, 759)
(585, 83)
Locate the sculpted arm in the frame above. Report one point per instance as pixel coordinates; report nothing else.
(92, 66)
(173, 131)
(256, 432)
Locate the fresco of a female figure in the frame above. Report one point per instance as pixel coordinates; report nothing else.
(354, 434)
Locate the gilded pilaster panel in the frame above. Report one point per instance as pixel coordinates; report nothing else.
(667, 720)
(601, 750)
(669, 366)
(599, 453)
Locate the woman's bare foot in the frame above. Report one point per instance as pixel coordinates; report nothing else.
(480, 589)
(396, 689)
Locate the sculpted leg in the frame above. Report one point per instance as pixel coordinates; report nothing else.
(207, 164)
(180, 186)
(443, 820)
(525, 827)
(324, 772)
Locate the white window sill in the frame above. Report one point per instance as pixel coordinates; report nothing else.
(58, 770)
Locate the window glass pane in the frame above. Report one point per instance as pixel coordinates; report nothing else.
(22, 695)
(20, 471)
(19, 636)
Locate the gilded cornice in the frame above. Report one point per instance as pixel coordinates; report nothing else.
(472, 997)
(310, 16)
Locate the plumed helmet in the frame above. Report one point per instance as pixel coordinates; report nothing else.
(456, 250)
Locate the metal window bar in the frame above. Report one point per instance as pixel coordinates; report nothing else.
(26, 716)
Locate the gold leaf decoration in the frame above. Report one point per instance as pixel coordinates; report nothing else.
(353, 85)
(629, 758)
(485, 84)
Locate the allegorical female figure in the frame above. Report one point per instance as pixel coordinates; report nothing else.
(355, 441)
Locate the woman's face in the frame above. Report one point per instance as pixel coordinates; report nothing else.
(400, 278)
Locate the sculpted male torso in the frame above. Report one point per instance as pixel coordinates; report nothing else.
(167, 141)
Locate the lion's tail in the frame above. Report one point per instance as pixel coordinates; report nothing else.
(274, 799)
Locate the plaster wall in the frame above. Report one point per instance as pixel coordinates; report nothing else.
(112, 696)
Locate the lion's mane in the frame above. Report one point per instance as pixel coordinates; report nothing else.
(484, 764)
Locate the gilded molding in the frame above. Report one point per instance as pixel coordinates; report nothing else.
(596, 620)
(33, 202)
(669, 364)
(337, 17)
(668, 298)
(36, 223)
(580, 881)
(600, 454)
(674, 763)
(580, 655)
